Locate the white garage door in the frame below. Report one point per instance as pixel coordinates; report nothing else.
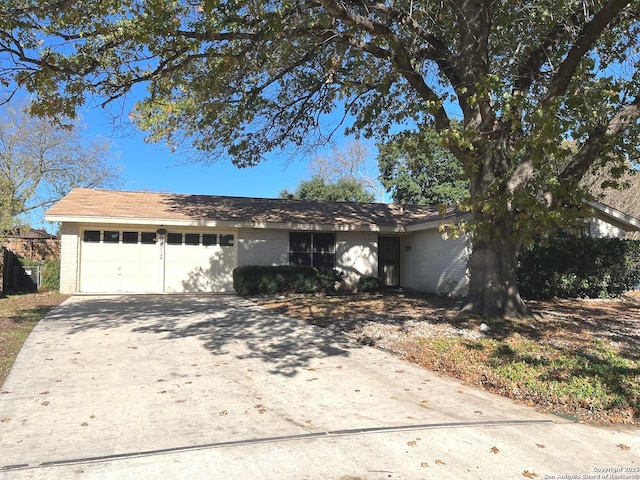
(197, 262)
(143, 262)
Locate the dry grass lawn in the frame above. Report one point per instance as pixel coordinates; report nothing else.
(575, 358)
(18, 315)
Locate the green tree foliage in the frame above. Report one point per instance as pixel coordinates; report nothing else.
(40, 162)
(343, 190)
(417, 169)
(247, 77)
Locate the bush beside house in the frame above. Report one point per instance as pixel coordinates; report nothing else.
(579, 267)
(269, 280)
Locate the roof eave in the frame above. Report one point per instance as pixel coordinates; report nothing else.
(433, 224)
(616, 217)
(204, 223)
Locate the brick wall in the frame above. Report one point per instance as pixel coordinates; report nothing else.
(262, 247)
(356, 256)
(436, 265)
(69, 258)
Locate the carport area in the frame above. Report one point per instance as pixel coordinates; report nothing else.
(210, 386)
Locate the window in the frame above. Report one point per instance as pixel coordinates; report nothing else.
(111, 236)
(174, 238)
(314, 249)
(209, 239)
(148, 238)
(191, 238)
(226, 240)
(91, 236)
(129, 237)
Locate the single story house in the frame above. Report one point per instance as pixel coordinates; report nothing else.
(142, 242)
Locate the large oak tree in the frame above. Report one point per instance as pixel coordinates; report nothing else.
(246, 77)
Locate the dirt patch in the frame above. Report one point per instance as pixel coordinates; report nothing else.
(573, 357)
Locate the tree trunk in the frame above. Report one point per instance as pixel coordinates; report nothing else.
(493, 288)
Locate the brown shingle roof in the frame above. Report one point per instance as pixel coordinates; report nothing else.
(113, 205)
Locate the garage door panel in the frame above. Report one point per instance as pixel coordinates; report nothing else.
(191, 268)
(119, 268)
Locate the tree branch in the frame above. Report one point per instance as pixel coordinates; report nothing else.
(596, 143)
(583, 44)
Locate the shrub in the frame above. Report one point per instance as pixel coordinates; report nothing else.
(579, 267)
(51, 274)
(369, 284)
(268, 280)
(328, 280)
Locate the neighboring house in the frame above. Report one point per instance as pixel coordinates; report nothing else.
(31, 243)
(610, 222)
(138, 242)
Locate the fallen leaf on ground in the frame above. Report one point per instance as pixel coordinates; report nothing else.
(84, 424)
(5, 420)
(45, 404)
(623, 446)
(529, 474)
(495, 450)
(440, 462)
(539, 445)
(412, 443)
(424, 464)
(44, 393)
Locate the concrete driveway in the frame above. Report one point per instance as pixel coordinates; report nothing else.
(148, 387)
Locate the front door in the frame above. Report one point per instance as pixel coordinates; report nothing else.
(389, 261)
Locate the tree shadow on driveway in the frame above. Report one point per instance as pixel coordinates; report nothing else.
(224, 324)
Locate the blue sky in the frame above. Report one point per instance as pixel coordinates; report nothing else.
(154, 167)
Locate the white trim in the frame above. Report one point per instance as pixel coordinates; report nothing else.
(627, 222)
(157, 222)
(416, 227)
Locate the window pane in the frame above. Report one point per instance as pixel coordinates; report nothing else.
(148, 237)
(324, 261)
(191, 238)
(299, 242)
(324, 243)
(111, 237)
(174, 238)
(226, 240)
(209, 239)
(129, 237)
(300, 258)
(91, 236)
